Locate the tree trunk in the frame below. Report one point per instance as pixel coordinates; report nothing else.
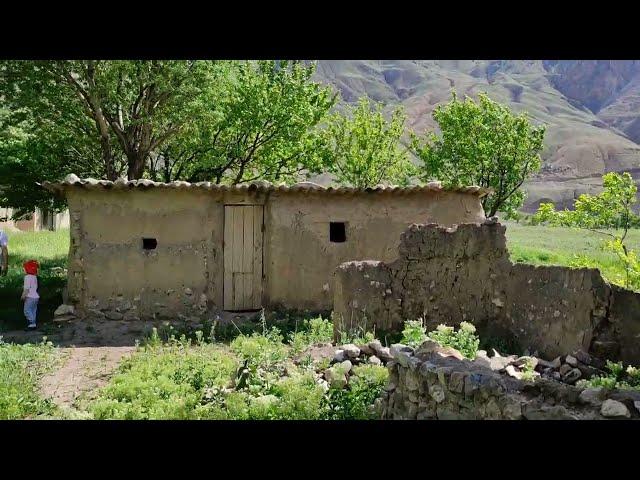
(136, 163)
(107, 159)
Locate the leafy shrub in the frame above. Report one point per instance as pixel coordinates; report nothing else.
(414, 333)
(617, 377)
(264, 350)
(464, 339)
(315, 330)
(20, 368)
(356, 401)
(164, 382)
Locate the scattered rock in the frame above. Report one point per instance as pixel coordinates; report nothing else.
(92, 312)
(188, 291)
(564, 369)
(112, 315)
(384, 354)
(614, 409)
(335, 377)
(593, 396)
(350, 350)
(570, 360)
(366, 350)
(572, 376)
(339, 356)
(373, 360)
(510, 369)
(346, 366)
(64, 310)
(582, 357)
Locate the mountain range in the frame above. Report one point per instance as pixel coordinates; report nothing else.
(591, 109)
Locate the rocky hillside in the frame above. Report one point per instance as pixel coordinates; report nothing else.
(591, 108)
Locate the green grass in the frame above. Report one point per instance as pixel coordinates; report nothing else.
(181, 379)
(21, 366)
(50, 249)
(540, 245)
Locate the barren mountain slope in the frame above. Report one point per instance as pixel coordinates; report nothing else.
(591, 108)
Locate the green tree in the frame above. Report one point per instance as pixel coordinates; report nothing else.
(482, 144)
(611, 209)
(263, 127)
(363, 149)
(124, 109)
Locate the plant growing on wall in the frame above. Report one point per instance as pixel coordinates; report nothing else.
(363, 149)
(608, 213)
(482, 143)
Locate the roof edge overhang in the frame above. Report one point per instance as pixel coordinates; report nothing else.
(72, 181)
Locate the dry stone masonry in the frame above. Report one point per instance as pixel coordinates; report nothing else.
(463, 273)
(434, 382)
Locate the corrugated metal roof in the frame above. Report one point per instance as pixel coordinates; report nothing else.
(72, 181)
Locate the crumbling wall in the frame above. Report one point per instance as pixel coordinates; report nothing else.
(436, 383)
(299, 258)
(463, 273)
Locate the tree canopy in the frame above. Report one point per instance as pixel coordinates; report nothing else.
(482, 143)
(362, 148)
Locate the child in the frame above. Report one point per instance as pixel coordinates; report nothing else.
(30, 293)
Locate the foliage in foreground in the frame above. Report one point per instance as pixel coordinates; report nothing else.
(609, 209)
(253, 378)
(21, 366)
(618, 377)
(464, 339)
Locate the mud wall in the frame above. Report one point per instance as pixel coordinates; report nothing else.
(109, 270)
(300, 258)
(449, 275)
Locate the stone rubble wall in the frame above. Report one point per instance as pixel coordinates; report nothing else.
(437, 383)
(463, 273)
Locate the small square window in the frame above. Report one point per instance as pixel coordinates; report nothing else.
(337, 232)
(149, 243)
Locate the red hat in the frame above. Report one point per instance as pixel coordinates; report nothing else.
(31, 267)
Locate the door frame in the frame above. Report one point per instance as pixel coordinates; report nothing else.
(225, 252)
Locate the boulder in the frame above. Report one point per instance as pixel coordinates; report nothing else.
(593, 396)
(582, 357)
(572, 376)
(339, 356)
(366, 350)
(64, 310)
(571, 360)
(335, 377)
(614, 409)
(350, 350)
(373, 360)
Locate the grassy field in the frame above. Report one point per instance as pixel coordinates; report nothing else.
(51, 250)
(559, 246)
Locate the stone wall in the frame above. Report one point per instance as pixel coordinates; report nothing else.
(463, 273)
(437, 383)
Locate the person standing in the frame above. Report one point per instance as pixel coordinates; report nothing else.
(30, 294)
(4, 254)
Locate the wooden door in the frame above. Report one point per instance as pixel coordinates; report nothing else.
(243, 257)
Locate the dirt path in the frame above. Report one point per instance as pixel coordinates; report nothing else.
(83, 371)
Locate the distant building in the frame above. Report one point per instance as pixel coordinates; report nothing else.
(38, 220)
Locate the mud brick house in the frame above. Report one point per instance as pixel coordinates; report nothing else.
(150, 249)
